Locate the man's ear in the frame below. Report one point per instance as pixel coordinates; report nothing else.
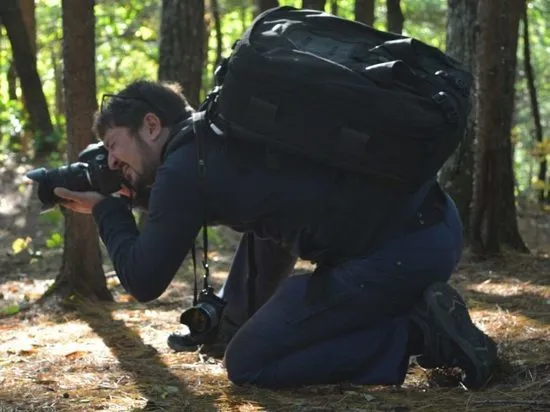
(152, 126)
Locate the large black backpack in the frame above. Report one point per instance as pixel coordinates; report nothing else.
(343, 93)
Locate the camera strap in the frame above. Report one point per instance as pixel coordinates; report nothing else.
(199, 121)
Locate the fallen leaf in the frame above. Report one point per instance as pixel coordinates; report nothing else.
(20, 245)
(124, 298)
(76, 355)
(27, 352)
(44, 380)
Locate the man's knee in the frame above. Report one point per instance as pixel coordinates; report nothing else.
(239, 370)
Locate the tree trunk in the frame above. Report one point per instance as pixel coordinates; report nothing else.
(314, 4)
(59, 93)
(27, 11)
(529, 74)
(263, 5)
(218, 28)
(25, 63)
(364, 11)
(181, 49)
(395, 16)
(11, 77)
(456, 175)
(334, 7)
(81, 270)
(494, 212)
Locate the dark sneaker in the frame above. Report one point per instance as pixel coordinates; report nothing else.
(211, 344)
(184, 342)
(450, 337)
(191, 343)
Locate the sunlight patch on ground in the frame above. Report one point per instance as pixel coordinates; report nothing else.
(512, 287)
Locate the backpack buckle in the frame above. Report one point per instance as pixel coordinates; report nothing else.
(457, 82)
(443, 100)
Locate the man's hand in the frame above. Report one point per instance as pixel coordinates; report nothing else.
(126, 192)
(81, 202)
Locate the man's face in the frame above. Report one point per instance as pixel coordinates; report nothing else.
(133, 155)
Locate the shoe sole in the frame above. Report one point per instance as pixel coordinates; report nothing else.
(175, 344)
(452, 317)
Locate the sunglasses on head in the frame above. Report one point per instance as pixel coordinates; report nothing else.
(106, 98)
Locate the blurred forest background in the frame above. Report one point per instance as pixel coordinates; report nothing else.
(58, 58)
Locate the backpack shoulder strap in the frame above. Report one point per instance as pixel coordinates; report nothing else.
(199, 123)
(182, 135)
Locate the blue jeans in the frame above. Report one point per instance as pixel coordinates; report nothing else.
(358, 331)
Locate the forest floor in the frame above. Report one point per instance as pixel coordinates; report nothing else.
(113, 357)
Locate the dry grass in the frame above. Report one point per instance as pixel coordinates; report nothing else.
(114, 357)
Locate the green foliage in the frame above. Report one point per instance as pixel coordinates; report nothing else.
(55, 241)
(54, 218)
(126, 38)
(10, 310)
(11, 125)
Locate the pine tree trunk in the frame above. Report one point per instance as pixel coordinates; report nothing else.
(81, 271)
(395, 16)
(530, 76)
(314, 4)
(24, 56)
(364, 11)
(181, 49)
(456, 175)
(59, 93)
(263, 5)
(493, 212)
(28, 12)
(218, 28)
(510, 235)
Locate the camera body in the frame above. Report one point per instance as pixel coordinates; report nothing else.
(204, 318)
(90, 173)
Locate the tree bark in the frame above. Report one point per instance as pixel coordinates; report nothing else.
(263, 5)
(364, 11)
(494, 213)
(27, 12)
(395, 16)
(456, 175)
(59, 93)
(334, 7)
(530, 76)
(181, 49)
(11, 77)
(81, 271)
(25, 63)
(218, 28)
(314, 4)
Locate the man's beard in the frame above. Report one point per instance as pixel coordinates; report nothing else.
(149, 165)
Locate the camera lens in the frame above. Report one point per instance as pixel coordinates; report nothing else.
(73, 177)
(200, 318)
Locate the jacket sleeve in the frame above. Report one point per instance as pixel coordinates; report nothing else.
(146, 262)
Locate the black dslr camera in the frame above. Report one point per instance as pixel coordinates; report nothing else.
(204, 317)
(90, 173)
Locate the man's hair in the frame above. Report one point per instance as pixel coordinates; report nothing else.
(128, 108)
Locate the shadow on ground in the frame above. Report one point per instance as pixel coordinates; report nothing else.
(144, 364)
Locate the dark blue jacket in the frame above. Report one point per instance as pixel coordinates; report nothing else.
(316, 212)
